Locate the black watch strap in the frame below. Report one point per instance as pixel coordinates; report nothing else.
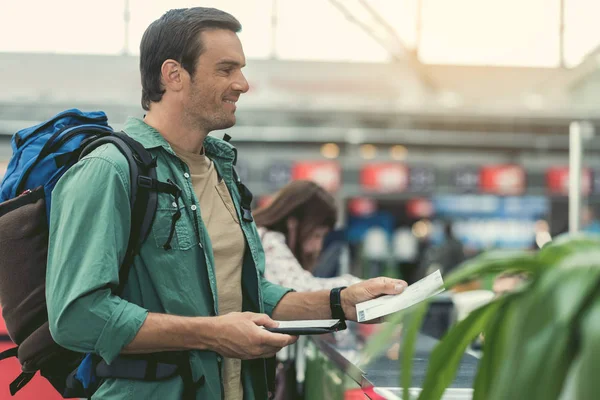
(335, 303)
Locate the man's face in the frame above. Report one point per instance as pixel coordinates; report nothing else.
(312, 246)
(218, 81)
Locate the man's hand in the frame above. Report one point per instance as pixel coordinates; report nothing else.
(240, 335)
(368, 290)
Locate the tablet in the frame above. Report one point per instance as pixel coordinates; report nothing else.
(309, 327)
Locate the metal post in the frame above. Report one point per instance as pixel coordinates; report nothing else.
(575, 154)
(561, 34)
(419, 28)
(274, 21)
(126, 19)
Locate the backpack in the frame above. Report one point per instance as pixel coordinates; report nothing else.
(41, 155)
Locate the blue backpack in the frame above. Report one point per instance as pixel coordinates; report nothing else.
(41, 155)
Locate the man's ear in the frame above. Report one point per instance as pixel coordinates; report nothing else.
(172, 75)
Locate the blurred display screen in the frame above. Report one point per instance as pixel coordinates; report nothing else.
(466, 179)
(422, 179)
(278, 175)
(502, 179)
(325, 173)
(384, 177)
(361, 206)
(557, 180)
(491, 206)
(485, 221)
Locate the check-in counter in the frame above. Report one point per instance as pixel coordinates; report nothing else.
(336, 368)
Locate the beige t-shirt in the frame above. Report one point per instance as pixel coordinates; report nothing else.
(228, 245)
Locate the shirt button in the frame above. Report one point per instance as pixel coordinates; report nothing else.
(186, 175)
(174, 204)
(193, 207)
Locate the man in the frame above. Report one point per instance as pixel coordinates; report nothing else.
(202, 264)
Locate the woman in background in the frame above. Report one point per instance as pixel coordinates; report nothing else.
(292, 229)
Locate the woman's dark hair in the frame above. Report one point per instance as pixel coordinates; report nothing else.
(176, 35)
(306, 201)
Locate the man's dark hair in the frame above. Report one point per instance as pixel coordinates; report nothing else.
(176, 35)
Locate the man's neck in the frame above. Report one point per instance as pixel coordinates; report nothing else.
(173, 127)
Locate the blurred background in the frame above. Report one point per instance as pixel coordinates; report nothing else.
(421, 116)
(441, 127)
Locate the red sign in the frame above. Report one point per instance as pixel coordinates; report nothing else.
(384, 177)
(502, 179)
(419, 208)
(557, 180)
(324, 173)
(361, 206)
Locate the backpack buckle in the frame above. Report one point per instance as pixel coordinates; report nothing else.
(247, 214)
(145, 182)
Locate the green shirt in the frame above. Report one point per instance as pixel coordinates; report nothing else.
(89, 230)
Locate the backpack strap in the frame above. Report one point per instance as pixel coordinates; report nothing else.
(144, 193)
(153, 367)
(247, 197)
(21, 380)
(12, 352)
(19, 383)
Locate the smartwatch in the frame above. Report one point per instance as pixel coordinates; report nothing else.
(335, 303)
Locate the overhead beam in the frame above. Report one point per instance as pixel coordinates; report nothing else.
(384, 34)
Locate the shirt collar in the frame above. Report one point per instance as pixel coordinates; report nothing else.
(150, 138)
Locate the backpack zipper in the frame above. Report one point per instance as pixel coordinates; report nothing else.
(51, 146)
(50, 122)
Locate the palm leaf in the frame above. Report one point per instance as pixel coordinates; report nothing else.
(545, 335)
(410, 335)
(553, 252)
(446, 356)
(530, 336)
(494, 262)
(496, 336)
(587, 383)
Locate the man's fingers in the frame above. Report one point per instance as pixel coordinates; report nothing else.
(264, 320)
(390, 286)
(278, 340)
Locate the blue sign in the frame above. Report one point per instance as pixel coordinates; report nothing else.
(491, 206)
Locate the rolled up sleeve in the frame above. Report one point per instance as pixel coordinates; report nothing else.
(89, 231)
(272, 294)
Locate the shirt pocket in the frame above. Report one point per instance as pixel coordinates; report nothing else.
(183, 236)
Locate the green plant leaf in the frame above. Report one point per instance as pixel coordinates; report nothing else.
(587, 383)
(545, 335)
(494, 262)
(446, 356)
(566, 245)
(497, 334)
(410, 334)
